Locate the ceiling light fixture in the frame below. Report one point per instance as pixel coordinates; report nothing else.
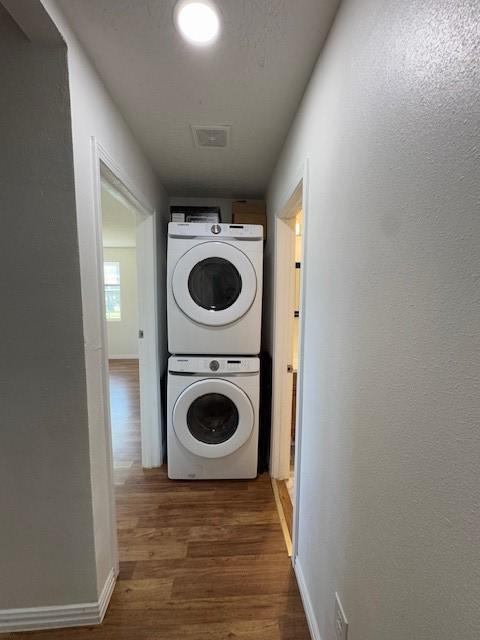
(197, 20)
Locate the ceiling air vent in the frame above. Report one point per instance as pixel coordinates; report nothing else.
(211, 136)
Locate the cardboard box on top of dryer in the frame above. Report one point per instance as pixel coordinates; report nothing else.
(250, 212)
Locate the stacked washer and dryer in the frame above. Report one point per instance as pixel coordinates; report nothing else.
(214, 309)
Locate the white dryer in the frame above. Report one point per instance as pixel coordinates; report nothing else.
(212, 421)
(214, 288)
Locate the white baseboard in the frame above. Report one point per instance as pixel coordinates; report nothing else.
(70, 615)
(124, 357)
(307, 603)
(106, 594)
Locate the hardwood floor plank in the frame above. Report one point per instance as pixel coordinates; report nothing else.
(141, 594)
(237, 566)
(198, 560)
(215, 549)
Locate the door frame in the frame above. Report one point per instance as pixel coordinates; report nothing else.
(283, 272)
(104, 166)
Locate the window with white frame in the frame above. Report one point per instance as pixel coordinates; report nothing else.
(111, 276)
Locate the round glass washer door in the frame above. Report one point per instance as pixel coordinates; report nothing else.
(213, 418)
(214, 283)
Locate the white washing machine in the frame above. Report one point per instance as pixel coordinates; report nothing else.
(214, 288)
(212, 422)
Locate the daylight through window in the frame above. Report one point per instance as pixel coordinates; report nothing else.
(111, 275)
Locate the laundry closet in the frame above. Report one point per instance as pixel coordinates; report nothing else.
(214, 313)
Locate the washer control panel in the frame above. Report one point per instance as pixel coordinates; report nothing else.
(202, 365)
(201, 230)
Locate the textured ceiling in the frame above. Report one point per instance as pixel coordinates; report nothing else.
(252, 78)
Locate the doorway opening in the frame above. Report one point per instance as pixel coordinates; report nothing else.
(119, 232)
(292, 367)
(133, 428)
(127, 273)
(289, 307)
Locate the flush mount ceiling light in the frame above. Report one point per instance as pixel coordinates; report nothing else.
(197, 20)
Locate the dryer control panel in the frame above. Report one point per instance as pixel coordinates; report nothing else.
(215, 230)
(223, 365)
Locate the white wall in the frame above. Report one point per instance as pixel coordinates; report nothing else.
(389, 504)
(119, 221)
(46, 524)
(94, 114)
(123, 334)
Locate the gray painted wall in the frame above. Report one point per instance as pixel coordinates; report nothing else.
(56, 546)
(94, 115)
(389, 504)
(46, 530)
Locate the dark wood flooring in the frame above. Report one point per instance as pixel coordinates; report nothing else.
(198, 560)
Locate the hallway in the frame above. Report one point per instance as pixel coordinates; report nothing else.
(198, 561)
